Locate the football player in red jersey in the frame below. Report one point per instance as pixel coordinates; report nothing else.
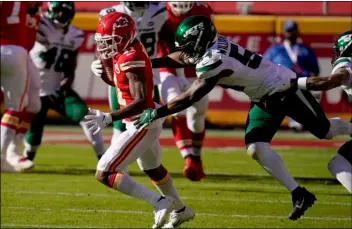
(177, 12)
(19, 78)
(133, 79)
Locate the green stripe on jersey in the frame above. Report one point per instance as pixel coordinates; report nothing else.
(209, 67)
(341, 60)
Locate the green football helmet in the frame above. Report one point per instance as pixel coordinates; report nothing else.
(193, 36)
(61, 13)
(343, 46)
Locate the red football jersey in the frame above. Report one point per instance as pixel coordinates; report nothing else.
(174, 21)
(13, 23)
(32, 27)
(134, 57)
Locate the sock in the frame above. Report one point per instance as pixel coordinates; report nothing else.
(30, 151)
(125, 184)
(166, 187)
(115, 135)
(197, 141)
(96, 140)
(341, 169)
(9, 125)
(182, 135)
(25, 122)
(338, 126)
(272, 163)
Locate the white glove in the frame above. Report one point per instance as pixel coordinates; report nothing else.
(97, 120)
(97, 67)
(183, 82)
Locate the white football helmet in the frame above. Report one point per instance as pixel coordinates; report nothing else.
(181, 7)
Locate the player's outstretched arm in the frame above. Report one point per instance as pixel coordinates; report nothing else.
(138, 90)
(173, 60)
(324, 83)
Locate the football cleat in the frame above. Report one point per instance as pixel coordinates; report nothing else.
(162, 209)
(6, 166)
(302, 200)
(178, 218)
(193, 170)
(24, 165)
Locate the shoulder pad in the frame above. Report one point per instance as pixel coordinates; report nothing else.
(209, 64)
(131, 59)
(342, 62)
(105, 11)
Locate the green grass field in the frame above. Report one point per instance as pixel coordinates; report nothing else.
(62, 192)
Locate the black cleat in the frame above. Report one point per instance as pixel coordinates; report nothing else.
(302, 200)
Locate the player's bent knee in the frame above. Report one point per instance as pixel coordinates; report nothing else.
(101, 177)
(253, 149)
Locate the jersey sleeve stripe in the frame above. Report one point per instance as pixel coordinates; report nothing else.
(209, 67)
(125, 68)
(141, 62)
(159, 12)
(340, 60)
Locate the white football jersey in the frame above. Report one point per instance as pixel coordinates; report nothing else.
(252, 74)
(53, 51)
(345, 62)
(148, 27)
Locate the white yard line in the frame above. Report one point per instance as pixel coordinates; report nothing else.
(228, 199)
(197, 213)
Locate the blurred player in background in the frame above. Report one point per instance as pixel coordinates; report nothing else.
(340, 166)
(272, 89)
(293, 54)
(132, 77)
(55, 54)
(19, 80)
(154, 32)
(177, 12)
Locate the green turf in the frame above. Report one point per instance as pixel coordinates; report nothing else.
(62, 192)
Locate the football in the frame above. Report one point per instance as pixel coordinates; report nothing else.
(108, 71)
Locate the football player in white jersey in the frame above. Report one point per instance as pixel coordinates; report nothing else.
(55, 55)
(154, 33)
(340, 165)
(272, 89)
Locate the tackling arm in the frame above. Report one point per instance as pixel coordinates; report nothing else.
(173, 60)
(196, 91)
(138, 90)
(324, 83)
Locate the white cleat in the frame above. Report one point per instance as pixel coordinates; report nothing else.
(6, 166)
(161, 210)
(178, 218)
(23, 165)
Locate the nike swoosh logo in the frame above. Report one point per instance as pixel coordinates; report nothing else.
(145, 116)
(301, 205)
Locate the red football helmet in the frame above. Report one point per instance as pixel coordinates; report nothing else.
(115, 32)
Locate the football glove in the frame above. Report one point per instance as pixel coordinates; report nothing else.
(97, 120)
(97, 68)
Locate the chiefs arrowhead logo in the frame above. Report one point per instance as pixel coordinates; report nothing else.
(121, 22)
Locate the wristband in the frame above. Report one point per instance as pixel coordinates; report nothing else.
(302, 83)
